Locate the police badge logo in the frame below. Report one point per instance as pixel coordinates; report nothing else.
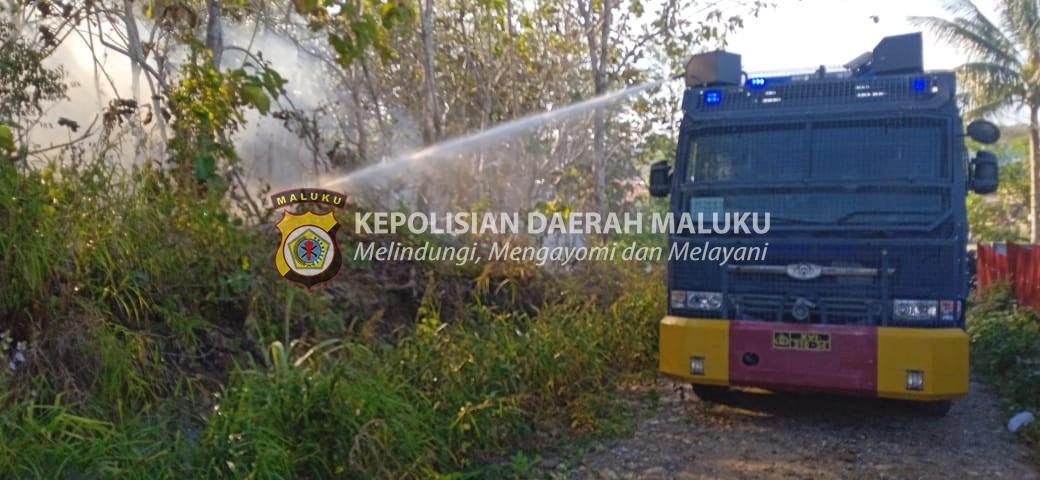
(308, 253)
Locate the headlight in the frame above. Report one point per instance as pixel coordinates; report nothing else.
(696, 300)
(704, 300)
(678, 299)
(915, 310)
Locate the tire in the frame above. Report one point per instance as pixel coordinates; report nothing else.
(710, 393)
(933, 409)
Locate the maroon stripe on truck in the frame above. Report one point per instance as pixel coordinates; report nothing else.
(835, 358)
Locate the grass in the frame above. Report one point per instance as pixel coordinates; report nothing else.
(452, 398)
(150, 338)
(1005, 341)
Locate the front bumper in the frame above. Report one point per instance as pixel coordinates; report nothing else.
(872, 361)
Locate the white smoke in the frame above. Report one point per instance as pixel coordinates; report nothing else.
(270, 152)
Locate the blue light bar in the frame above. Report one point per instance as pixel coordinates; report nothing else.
(712, 97)
(756, 82)
(919, 84)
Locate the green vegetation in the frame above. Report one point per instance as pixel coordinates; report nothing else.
(1003, 215)
(1005, 342)
(130, 364)
(144, 332)
(1000, 71)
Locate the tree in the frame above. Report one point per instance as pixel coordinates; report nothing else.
(1003, 69)
(619, 36)
(997, 217)
(25, 84)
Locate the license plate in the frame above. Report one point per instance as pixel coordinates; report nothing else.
(811, 341)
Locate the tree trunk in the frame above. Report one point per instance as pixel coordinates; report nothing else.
(600, 152)
(598, 53)
(133, 47)
(214, 32)
(136, 52)
(386, 140)
(432, 130)
(601, 121)
(1034, 192)
(359, 108)
(509, 18)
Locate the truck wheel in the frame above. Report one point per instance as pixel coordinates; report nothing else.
(710, 393)
(934, 409)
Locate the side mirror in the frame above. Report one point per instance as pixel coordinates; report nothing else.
(660, 179)
(985, 174)
(983, 132)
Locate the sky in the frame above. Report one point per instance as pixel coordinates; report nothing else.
(804, 34)
(801, 35)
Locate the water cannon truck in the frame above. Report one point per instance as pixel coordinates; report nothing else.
(864, 173)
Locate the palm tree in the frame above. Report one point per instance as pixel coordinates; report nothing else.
(1003, 69)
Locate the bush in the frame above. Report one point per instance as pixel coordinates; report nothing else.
(123, 281)
(453, 398)
(133, 351)
(1005, 342)
(52, 440)
(333, 416)
(130, 346)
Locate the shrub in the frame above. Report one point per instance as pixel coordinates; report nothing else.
(1005, 342)
(133, 351)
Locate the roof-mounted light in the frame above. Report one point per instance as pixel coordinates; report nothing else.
(712, 97)
(919, 84)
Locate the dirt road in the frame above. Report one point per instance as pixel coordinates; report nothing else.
(757, 435)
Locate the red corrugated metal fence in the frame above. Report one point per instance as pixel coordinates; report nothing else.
(1018, 263)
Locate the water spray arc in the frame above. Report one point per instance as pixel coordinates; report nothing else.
(464, 143)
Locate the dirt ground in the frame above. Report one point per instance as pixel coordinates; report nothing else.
(759, 435)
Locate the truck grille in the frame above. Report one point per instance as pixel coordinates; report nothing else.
(779, 308)
(840, 294)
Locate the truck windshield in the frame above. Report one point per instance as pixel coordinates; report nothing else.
(840, 172)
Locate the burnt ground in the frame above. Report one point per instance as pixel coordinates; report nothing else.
(760, 435)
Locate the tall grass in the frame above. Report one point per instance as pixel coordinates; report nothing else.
(112, 274)
(454, 396)
(149, 337)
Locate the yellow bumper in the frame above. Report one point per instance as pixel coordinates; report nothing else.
(682, 338)
(941, 354)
